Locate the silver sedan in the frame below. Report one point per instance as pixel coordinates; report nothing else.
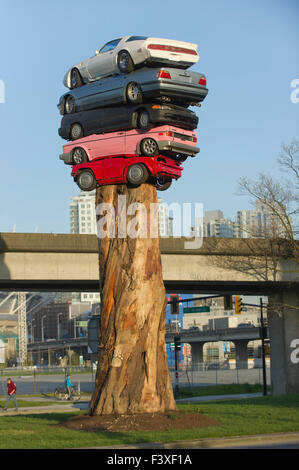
(125, 54)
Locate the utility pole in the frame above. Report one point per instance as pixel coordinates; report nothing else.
(263, 350)
(22, 327)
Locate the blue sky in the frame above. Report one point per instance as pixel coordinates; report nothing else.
(248, 51)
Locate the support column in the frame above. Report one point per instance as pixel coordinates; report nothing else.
(283, 320)
(241, 353)
(197, 354)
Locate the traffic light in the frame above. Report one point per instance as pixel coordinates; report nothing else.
(238, 304)
(174, 306)
(228, 302)
(177, 343)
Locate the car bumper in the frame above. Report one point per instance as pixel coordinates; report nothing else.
(172, 116)
(177, 91)
(66, 157)
(178, 148)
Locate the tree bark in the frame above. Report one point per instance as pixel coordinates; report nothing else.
(132, 375)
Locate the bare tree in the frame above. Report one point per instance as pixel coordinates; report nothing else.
(281, 199)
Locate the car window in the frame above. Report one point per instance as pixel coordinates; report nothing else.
(109, 46)
(136, 38)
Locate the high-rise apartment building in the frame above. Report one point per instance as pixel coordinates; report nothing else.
(83, 221)
(83, 213)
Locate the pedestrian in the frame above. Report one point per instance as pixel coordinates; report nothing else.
(11, 394)
(69, 386)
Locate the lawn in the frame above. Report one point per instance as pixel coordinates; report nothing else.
(226, 389)
(237, 417)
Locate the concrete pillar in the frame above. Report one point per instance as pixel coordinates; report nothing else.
(241, 353)
(283, 321)
(197, 354)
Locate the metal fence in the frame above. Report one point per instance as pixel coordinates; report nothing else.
(46, 379)
(206, 373)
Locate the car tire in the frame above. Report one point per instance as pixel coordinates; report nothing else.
(76, 131)
(149, 147)
(125, 62)
(69, 105)
(143, 121)
(137, 174)
(79, 156)
(86, 180)
(134, 93)
(162, 184)
(75, 78)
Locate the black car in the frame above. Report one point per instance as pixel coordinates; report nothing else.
(77, 125)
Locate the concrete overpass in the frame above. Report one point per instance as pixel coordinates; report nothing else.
(240, 336)
(57, 262)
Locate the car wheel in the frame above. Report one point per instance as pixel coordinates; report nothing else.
(162, 184)
(149, 147)
(69, 105)
(125, 62)
(79, 156)
(134, 94)
(86, 180)
(76, 131)
(137, 174)
(76, 79)
(143, 119)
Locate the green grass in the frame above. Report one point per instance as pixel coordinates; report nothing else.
(236, 417)
(231, 389)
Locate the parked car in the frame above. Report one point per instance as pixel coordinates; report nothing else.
(78, 125)
(168, 140)
(171, 85)
(158, 170)
(193, 328)
(124, 54)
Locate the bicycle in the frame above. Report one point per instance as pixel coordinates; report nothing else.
(62, 394)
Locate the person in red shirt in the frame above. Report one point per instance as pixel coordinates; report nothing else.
(11, 394)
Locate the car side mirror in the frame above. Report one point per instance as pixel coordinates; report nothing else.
(97, 52)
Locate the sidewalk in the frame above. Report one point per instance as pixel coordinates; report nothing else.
(66, 406)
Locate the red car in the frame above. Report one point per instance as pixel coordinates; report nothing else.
(158, 170)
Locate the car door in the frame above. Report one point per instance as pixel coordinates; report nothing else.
(102, 63)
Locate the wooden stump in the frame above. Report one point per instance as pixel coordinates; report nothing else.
(132, 375)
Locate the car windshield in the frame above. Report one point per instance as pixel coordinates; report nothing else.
(136, 38)
(109, 46)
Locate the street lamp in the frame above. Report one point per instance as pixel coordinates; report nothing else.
(32, 336)
(43, 337)
(58, 332)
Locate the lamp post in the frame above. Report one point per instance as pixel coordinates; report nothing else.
(32, 335)
(43, 336)
(58, 329)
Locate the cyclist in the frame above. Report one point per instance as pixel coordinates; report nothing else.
(69, 386)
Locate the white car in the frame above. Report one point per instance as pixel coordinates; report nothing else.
(129, 52)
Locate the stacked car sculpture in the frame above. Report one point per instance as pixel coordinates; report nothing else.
(126, 113)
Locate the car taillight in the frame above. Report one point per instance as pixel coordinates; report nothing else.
(203, 81)
(162, 47)
(163, 74)
(169, 133)
(194, 139)
(156, 106)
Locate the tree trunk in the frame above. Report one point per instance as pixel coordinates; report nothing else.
(132, 374)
